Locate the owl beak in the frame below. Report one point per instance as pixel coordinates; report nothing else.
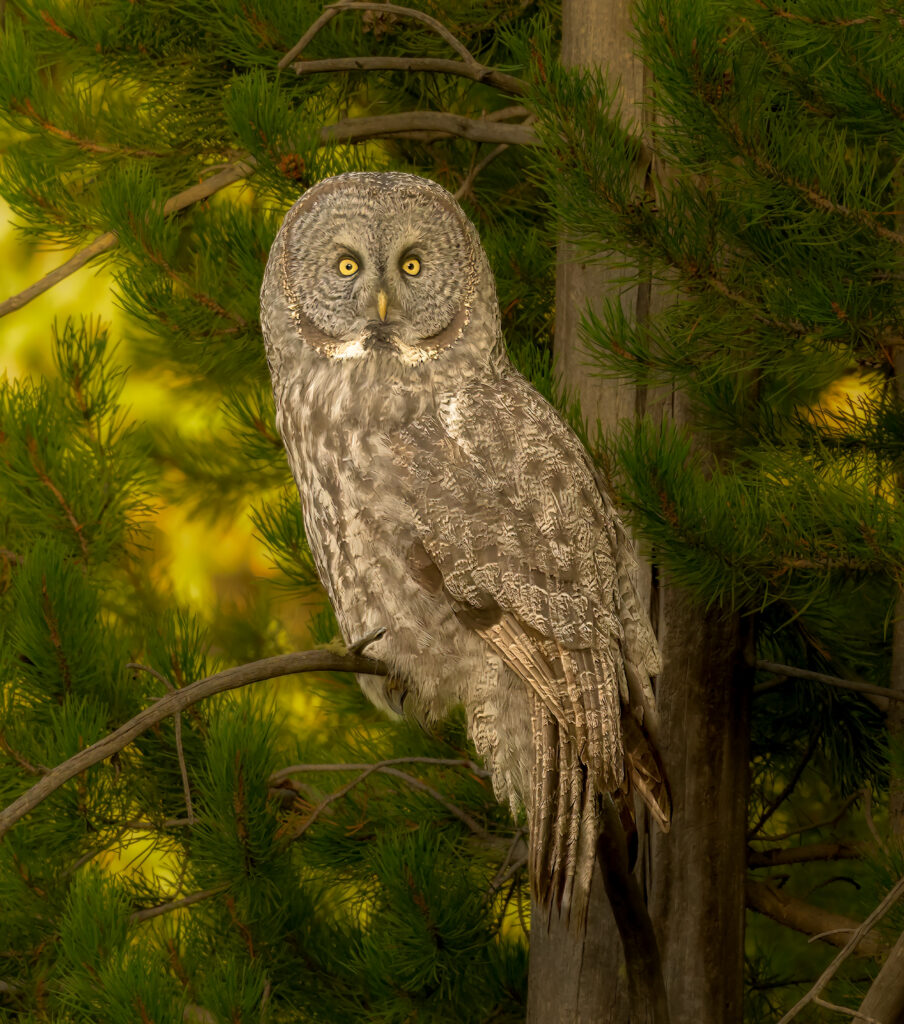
(382, 304)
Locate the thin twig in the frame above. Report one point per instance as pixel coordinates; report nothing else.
(478, 73)
(165, 908)
(476, 168)
(893, 895)
(441, 762)
(177, 728)
(846, 1010)
(827, 823)
(788, 788)
(230, 679)
(821, 677)
(384, 768)
(22, 762)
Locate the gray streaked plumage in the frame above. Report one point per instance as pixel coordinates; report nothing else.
(444, 499)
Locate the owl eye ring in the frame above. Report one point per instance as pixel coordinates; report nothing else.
(411, 266)
(347, 266)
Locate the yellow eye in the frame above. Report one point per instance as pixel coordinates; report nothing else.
(411, 266)
(348, 266)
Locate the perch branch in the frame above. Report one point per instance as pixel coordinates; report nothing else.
(178, 700)
(893, 895)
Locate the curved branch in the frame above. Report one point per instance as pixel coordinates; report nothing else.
(406, 12)
(178, 700)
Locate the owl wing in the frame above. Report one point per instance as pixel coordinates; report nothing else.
(526, 544)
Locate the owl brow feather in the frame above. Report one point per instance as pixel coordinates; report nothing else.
(427, 125)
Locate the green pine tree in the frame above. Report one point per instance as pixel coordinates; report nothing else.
(775, 223)
(277, 890)
(281, 889)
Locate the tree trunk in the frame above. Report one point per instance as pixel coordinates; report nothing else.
(693, 879)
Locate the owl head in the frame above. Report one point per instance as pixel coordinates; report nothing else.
(378, 270)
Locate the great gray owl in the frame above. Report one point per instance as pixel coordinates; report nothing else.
(446, 501)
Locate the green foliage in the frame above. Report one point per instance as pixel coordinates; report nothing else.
(301, 904)
(762, 196)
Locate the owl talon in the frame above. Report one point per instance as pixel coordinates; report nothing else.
(359, 646)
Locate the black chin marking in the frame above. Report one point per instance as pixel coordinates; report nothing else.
(380, 338)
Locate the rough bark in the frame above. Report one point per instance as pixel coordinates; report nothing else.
(579, 977)
(693, 879)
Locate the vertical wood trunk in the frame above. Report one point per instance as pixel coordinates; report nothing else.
(693, 879)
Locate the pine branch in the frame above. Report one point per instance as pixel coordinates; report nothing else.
(179, 700)
(109, 240)
(767, 899)
(894, 894)
(165, 908)
(476, 72)
(428, 125)
(821, 677)
(849, 850)
(383, 767)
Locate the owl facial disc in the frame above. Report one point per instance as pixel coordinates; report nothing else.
(377, 272)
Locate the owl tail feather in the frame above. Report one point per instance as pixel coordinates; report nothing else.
(564, 822)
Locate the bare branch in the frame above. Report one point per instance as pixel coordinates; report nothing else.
(846, 1010)
(805, 854)
(821, 677)
(885, 999)
(104, 242)
(894, 894)
(476, 72)
(179, 700)
(428, 125)
(795, 913)
(406, 12)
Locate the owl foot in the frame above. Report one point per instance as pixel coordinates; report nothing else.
(365, 641)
